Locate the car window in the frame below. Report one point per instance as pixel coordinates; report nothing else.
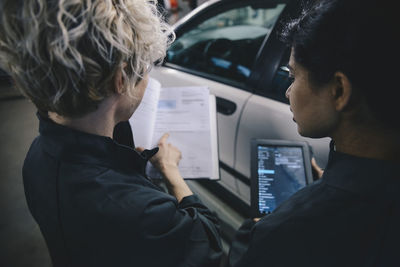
(225, 45)
(281, 80)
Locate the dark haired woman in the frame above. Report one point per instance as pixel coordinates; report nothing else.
(343, 87)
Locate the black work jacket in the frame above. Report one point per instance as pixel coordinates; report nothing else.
(350, 217)
(95, 207)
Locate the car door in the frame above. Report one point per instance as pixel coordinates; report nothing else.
(217, 45)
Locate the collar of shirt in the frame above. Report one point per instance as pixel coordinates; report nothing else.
(359, 175)
(75, 146)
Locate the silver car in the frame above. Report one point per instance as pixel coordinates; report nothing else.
(233, 48)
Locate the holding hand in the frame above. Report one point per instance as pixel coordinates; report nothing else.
(167, 157)
(316, 170)
(166, 160)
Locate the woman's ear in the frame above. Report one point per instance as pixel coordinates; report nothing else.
(342, 91)
(119, 80)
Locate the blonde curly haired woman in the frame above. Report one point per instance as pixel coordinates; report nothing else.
(85, 64)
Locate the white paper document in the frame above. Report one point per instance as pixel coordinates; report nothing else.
(188, 114)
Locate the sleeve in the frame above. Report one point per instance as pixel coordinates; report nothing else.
(241, 242)
(183, 234)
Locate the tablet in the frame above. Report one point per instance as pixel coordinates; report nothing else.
(279, 168)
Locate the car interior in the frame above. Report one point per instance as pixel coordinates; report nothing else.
(222, 57)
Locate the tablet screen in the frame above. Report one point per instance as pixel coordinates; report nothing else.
(281, 173)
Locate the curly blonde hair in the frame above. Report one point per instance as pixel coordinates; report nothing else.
(63, 54)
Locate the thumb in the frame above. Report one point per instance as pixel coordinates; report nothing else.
(318, 171)
(139, 149)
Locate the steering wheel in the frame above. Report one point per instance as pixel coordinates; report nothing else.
(217, 48)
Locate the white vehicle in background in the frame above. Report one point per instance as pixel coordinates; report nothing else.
(232, 46)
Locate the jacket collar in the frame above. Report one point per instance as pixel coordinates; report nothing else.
(358, 175)
(75, 146)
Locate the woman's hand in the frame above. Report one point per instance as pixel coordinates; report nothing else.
(168, 156)
(166, 160)
(316, 170)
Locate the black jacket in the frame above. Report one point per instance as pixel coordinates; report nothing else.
(350, 217)
(95, 207)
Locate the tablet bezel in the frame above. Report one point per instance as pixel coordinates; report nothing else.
(254, 166)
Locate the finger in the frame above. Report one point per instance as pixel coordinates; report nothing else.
(163, 138)
(313, 163)
(316, 167)
(139, 149)
(174, 148)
